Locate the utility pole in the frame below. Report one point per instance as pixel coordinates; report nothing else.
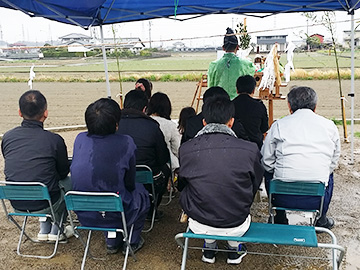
(1, 33)
(150, 23)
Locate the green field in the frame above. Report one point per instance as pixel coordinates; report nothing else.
(179, 66)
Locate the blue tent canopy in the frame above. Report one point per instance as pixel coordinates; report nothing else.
(86, 13)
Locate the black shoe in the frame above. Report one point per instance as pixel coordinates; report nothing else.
(328, 224)
(238, 253)
(135, 247)
(158, 215)
(208, 255)
(113, 249)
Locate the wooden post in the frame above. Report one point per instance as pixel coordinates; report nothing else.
(271, 111)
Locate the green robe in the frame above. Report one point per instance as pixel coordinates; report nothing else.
(225, 72)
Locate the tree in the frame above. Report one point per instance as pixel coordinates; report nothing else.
(313, 42)
(327, 20)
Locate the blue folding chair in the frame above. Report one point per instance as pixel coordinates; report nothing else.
(300, 188)
(29, 191)
(98, 202)
(144, 176)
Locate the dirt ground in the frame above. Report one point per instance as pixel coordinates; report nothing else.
(67, 103)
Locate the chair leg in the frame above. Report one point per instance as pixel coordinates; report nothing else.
(127, 242)
(184, 257)
(86, 250)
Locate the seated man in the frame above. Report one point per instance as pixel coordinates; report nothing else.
(217, 186)
(195, 123)
(302, 146)
(149, 140)
(104, 161)
(33, 154)
(250, 112)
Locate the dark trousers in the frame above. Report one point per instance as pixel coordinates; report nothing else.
(302, 202)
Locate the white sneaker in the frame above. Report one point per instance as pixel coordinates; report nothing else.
(68, 231)
(42, 237)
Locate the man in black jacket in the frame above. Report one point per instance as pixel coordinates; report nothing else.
(219, 176)
(33, 154)
(250, 112)
(151, 149)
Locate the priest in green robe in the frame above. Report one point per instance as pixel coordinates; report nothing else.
(225, 71)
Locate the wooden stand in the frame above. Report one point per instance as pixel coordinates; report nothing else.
(197, 95)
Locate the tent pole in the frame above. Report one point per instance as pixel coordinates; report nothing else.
(105, 63)
(352, 87)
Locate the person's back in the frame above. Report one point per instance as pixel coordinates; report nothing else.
(145, 131)
(151, 148)
(251, 112)
(219, 182)
(33, 154)
(159, 109)
(104, 161)
(302, 146)
(225, 71)
(307, 140)
(218, 178)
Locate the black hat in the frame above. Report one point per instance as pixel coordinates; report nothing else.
(230, 39)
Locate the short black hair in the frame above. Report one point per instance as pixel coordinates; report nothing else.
(135, 99)
(302, 97)
(218, 109)
(32, 105)
(148, 86)
(102, 116)
(160, 104)
(214, 91)
(245, 84)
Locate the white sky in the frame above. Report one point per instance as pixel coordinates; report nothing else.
(16, 26)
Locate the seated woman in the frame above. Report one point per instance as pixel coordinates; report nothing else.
(159, 109)
(105, 161)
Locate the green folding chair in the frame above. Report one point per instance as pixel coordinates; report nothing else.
(29, 191)
(144, 176)
(98, 202)
(301, 188)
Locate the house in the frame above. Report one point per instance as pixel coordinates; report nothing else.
(75, 37)
(133, 44)
(347, 38)
(319, 37)
(265, 43)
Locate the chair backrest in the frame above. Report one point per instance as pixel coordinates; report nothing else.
(23, 191)
(144, 174)
(93, 201)
(303, 188)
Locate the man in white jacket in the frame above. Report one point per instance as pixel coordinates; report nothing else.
(302, 146)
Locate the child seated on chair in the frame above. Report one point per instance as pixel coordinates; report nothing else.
(105, 161)
(218, 178)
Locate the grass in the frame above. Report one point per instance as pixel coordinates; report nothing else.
(178, 67)
(340, 122)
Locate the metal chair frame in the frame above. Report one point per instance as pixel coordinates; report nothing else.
(29, 191)
(144, 176)
(301, 188)
(98, 202)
